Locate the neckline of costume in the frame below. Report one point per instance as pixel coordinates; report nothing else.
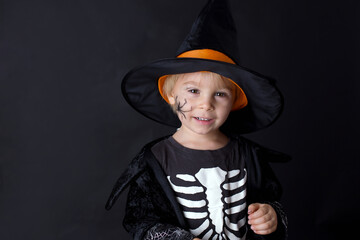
(180, 147)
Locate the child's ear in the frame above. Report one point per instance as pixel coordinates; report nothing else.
(171, 99)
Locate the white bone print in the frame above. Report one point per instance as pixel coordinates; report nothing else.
(220, 206)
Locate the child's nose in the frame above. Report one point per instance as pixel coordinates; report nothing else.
(206, 103)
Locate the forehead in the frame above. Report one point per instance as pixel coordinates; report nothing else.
(204, 79)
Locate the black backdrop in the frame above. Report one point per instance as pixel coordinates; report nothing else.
(66, 132)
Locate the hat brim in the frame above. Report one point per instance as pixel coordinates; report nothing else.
(265, 101)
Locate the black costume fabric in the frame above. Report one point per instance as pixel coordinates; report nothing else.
(210, 186)
(151, 200)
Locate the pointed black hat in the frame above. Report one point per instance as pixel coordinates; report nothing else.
(214, 29)
(211, 46)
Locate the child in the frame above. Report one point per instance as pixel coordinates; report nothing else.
(205, 181)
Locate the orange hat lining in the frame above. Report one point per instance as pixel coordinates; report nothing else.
(241, 100)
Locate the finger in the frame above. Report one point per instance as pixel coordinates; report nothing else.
(264, 226)
(260, 220)
(253, 207)
(265, 231)
(261, 211)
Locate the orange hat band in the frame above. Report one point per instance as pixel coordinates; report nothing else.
(206, 54)
(241, 99)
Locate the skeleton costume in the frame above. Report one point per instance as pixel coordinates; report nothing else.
(181, 193)
(154, 212)
(210, 190)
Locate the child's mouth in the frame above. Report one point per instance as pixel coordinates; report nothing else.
(202, 119)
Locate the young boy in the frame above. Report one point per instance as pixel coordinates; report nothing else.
(204, 181)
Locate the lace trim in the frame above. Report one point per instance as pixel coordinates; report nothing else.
(281, 213)
(167, 232)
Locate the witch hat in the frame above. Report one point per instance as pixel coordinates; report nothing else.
(210, 46)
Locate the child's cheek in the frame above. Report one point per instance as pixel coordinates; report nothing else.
(182, 107)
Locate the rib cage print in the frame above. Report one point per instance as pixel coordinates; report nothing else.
(213, 202)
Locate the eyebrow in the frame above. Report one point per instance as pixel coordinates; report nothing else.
(196, 84)
(191, 82)
(225, 87)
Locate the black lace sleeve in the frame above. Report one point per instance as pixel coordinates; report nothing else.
(282, 218)
(264, 187)
(167, 232)
(146, 207)
(281, 232)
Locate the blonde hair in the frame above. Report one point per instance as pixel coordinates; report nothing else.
(170, 82)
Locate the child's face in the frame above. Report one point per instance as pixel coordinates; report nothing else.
(202, 101)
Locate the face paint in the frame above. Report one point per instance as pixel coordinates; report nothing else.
(179, 107)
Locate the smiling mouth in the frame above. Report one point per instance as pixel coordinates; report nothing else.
(203, 119)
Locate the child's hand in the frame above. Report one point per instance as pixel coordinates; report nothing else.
(196, 239)
(262, 218)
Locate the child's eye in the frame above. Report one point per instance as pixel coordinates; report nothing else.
(220, 94)
(193, 91)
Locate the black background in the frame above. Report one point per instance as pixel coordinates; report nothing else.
(66, 132)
